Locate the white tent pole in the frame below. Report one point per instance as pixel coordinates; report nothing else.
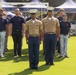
(41, 13)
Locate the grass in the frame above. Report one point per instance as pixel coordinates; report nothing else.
(20, 66)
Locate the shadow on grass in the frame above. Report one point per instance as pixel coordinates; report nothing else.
(9, 56)
(56, 58)
(29, 71)
(25, 56)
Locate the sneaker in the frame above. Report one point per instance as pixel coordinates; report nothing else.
(15, 56)
(18, 55)
(2, 55)
(66, 56)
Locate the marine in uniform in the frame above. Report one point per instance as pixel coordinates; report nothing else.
(17, 32)
(33, 29)
(51, 29)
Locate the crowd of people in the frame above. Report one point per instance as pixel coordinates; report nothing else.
(52, 31)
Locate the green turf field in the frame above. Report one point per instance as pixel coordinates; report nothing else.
(20, 66)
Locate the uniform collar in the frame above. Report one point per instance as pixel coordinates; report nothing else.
(49, 17)
(34, 20)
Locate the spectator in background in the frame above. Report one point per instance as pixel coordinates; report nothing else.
(7, 17)
(21, 14)
(60, 18)
(17, 32)
(6, 37)
(3, 32)
(60, 14)
(64, 34)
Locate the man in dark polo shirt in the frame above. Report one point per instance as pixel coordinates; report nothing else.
(17, 31)
(60, 18)
(6, 37)
(64, 33)
(3, 32)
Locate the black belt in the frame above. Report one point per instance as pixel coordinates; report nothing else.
(34, 35)
(17, 30)
(50, 33)
(64, 34)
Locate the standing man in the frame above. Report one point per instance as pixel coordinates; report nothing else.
(64, 33)
(60, 18)
(3, 32)
(51, 34)
(33, 29)
(17, 32)
(6, 37)
(60, 14)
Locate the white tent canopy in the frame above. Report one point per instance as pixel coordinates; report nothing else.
(37, 1)
(10, 13)
(6, 6)
(35, 4)
(69, 6)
